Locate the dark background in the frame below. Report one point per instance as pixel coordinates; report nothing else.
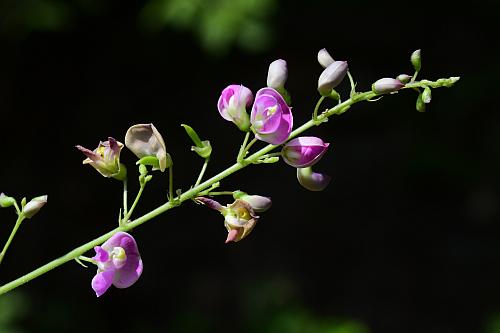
(405, 239)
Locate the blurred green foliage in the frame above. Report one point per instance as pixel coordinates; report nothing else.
(217, 23)
(13, 307)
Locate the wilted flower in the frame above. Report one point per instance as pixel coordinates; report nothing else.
(259, 203)
(331, 77)
(313, 181)
(277, 74)
(232, 105)
(271, 117)
(34, 206)
(239, 217)
(106, 158)
(304, 151)
(387, 85)
(324, 58)
(118, 263)
(144, 140)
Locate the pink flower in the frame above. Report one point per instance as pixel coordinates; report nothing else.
(118, 262)
(313, 181)
(304, 151)
(271, 117)
(232, 105)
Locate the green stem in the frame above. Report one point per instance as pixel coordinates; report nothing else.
(193, 192)
(240, 156)
(171, 183)
(247, 148)
(212, 194)
(202, 172)
(125, 199)
(137, 197)
(20, 219)
(353, 84)
(316, 108)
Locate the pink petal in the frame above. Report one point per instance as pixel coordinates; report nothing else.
(102, 281)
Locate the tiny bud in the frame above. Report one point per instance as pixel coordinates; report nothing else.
(427, 95)
(420, 105)
(193, 135)
(6, 201)
(331, 77)
(313, 181)
(386, 85)
(259, 203)
(277, 74)
(205, 150)
(34, 206)
(404, 78)
(416, 60)
(324, 58)
(143, 170)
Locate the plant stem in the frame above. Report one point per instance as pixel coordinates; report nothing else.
(137, 197)
(125, 199)
(240, 156)
(220, 193)
(193, 192)
(20, 219)
(202, 172)
(171, 183)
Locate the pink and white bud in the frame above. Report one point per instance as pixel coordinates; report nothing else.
(232, 105)
(34, 206)
(259, 203)
(304, 151)
(331, 77)
(277, 74)
(313, 181)
(324, 58)
(386, 85)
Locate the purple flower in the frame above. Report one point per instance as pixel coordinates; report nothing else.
(304, 151)
(118, 262)
(331, 77)
(106, 158)
(271, 117)
(277, 74)
(232, 105)
(313, 181)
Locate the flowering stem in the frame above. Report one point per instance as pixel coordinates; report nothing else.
(315, 112)
(20, 219)
(247, 148)
(212, 194)
(202, 172)
(353, 85)
(197, 190)
(137, 197)
(240, 156)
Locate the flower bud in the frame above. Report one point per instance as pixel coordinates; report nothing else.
(324, 58)
(259, 203)
(6, 201)
(331, 77)
(277, 74)
(386, 85)
(271, 117)
(427, 95)
(404, 78)
(34, 206)
(420, 105)
(144, 140)
(232, 105)
(304, 151)
(312, 181)
(416, 60)
(202, 148)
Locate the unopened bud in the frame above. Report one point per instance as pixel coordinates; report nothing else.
(313, 181)
(427, 95)
(277, 74)
(420, 105)
(331, 77)
(416, 60)
(324, 58)
(386, 85)
(6, 201)
(404, 78)
(34, 206)
(259, 203)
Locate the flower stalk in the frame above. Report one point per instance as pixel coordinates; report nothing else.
(198, 189)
